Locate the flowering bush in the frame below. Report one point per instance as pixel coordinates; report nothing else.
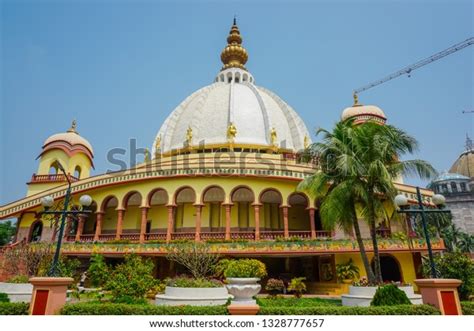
(274, 286)
(245, 268)
(297, 286)
(193, 282)
(363, 281)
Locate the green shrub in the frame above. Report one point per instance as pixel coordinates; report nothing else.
(297, 302)
(4, 297)
(245, 268)
(390, 295)
(347, 270)
(221, 267)
(193, 282)
(19, 279)
(98, 271)
(456, 266)
(297, 286)
(336, 310)
(274, 286)
(133, 309)
(131, 279)
(467, 307)
(14, 308)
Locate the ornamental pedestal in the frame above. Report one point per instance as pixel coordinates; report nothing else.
(49, 294)
(441, 293)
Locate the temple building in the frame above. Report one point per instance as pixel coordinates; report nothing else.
(223, 169)
(457, 185)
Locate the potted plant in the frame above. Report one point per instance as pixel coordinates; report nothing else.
(297, 286)
(347, 272)
(242, 277)
(274, 286)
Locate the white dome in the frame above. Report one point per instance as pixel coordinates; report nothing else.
(233, 99)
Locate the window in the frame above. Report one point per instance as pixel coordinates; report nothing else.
(77, 172)
(454, 187)
(463, 187)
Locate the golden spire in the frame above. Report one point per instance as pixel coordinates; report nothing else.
(234, 55)
(356, 99)
(73, 127)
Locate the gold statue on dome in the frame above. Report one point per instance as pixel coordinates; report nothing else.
(273, 137)
(306, 142)
(147, 156)
(158, 146)
(73, 126)
(231, 132)
(189, 136)
(356, 99)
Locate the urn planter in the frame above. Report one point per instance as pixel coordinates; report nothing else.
(362, 295)
(193, 296)
(243, 290)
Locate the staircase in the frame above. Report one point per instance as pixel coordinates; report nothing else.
(327, 288)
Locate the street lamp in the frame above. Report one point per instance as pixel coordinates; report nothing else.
(439, 200)
(48, 202)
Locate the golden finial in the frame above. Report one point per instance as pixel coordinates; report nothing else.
(234, 55)
(231, 132)
(273, 137)
(306, 142)
(158, 146)
(73, 126)
(189, 136)
(356, 99)
(147, 155)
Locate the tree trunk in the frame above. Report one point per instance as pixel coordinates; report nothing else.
(373, 235)
(363, 254)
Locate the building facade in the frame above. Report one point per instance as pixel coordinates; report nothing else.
(223, 170)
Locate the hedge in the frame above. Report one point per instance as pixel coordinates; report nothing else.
(467, 307)
(338, 310)
(131, 309)
(14, 308)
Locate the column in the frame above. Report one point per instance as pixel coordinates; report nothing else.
(198, 222)
(169, 230)
(256, 207)
(143, 224)
(120, 213)
(311, 223)
(285, 222)
(227, 220)
(80, 227)
(67, 228)
(98, 226)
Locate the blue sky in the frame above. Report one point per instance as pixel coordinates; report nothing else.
(120, 67)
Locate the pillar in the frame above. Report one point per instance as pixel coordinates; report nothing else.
(256, 207)
(285, 222)
(441, 293)
(80, 227)
(49, 294)
(67, 228)
(98, 226)
(169, 230)
(311, 223)
(227, 220)
(198, 222)
(143, 224)
(120, 213)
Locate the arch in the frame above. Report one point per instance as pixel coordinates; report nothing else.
(91, 220)
(54, 168)
(109, 201)
(36, 231)
(132, 198)
(298, 214)
(299, 196)
(109, 208)
(270, 195)
(184, 194)
(213, 214)
(222, 77)
(77, 172)
(237, 77)
(213, 193)
(184, 199)
(157, 196)
(229, 77)
(242, 197)
(390, 267)
(241, 192)
(245, 77)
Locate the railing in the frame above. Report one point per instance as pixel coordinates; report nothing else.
(106, 237)
(212, 235)
(247, 235)
(323, 234)
(271, 235)
(155, 236)
(301, 234)
(70, 237)
(87, 237)
(130, 236)
(183, 235)
(52, 178)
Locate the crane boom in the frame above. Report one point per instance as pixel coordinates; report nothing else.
(408, 69)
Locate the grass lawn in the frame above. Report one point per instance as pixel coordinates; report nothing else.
(297, 302)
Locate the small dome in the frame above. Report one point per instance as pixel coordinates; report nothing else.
(69, 141)
(464, 165)
(363, 113)
(448, 176)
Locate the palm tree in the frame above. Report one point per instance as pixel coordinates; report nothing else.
(466, 243)
(336, 186)
(359, 163)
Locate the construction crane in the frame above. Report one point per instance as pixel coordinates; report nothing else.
(468, 111)
(409, 69)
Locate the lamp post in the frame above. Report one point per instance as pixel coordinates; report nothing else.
(402, 202)
(48, 202)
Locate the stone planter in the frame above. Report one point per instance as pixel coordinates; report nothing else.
(17, 292)
(362, 295)
(243, 290)
(195, 296)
